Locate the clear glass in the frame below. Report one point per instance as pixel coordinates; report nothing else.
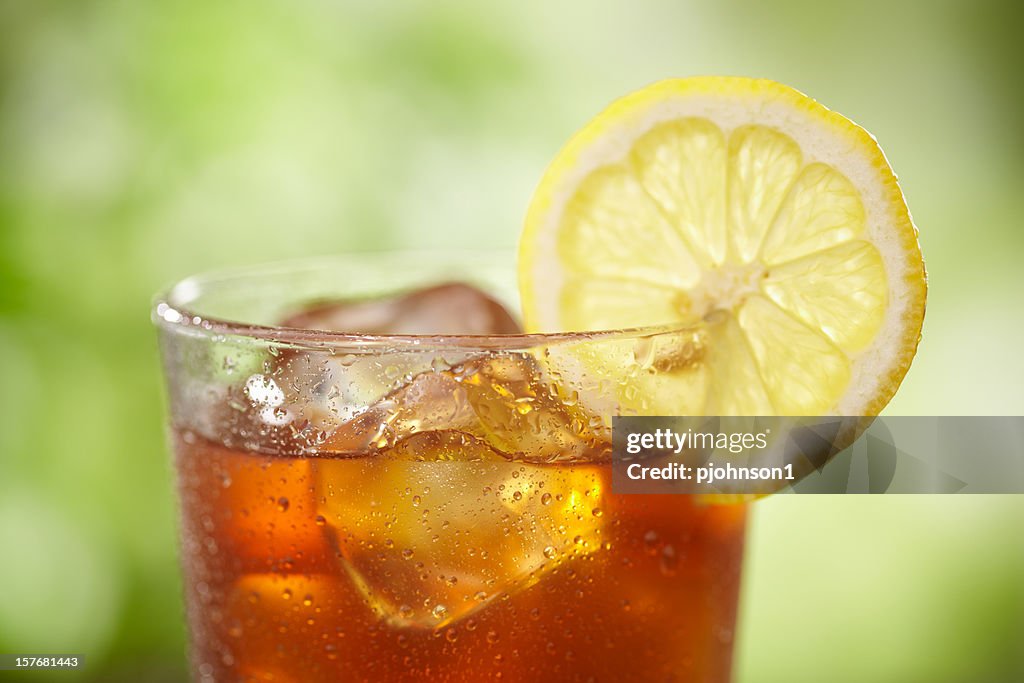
(366, 507)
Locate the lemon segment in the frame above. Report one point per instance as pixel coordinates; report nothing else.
(731, 362)
(682, 164)
(821, 210)
(762, 165)
(610, 304)
(804, 373)
(612, 228)
(840, 291)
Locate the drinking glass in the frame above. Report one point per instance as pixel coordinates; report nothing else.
(385, 507)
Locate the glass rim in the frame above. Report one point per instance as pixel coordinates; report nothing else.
(172, 309)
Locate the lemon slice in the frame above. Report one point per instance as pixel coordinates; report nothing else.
(746, 203)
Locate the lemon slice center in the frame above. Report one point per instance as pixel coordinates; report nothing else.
(725, 288)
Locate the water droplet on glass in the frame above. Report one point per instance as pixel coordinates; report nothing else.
(669, 560)
(651, 542)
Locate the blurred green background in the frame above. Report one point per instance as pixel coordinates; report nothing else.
(141, 142)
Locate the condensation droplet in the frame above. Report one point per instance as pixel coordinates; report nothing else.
(669, 560)
(651, 542)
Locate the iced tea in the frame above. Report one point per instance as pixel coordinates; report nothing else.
(436, 509)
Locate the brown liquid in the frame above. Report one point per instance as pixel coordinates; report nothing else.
(458, 566)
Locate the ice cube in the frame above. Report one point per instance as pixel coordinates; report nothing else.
(325, 388)
(447, 309)
(523, 414)
(441, 524)
(502, 399)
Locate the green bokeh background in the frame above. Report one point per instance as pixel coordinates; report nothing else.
(143, 141)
